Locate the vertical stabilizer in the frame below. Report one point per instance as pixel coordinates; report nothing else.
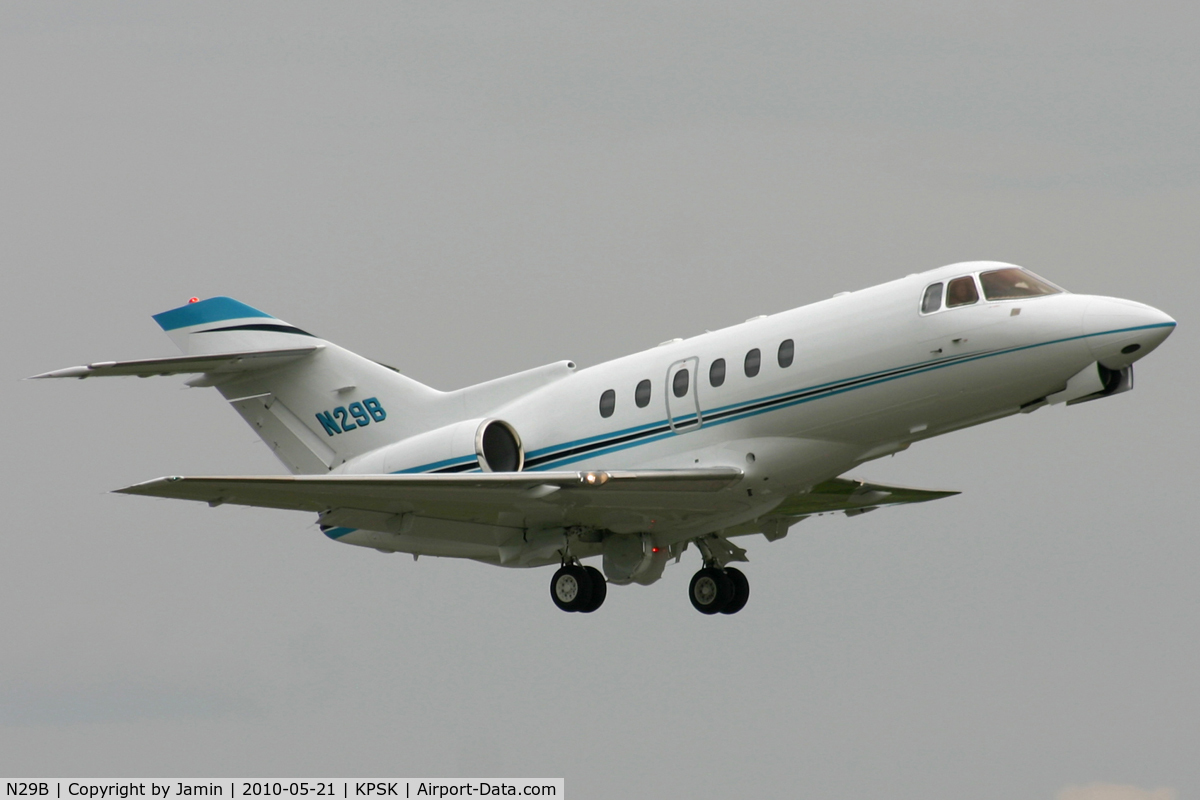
(315, 412)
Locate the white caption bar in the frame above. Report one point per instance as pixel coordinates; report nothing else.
(229, 788)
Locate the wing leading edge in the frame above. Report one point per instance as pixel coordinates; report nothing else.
(532, 498)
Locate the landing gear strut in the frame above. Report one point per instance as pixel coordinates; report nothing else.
(578, 588)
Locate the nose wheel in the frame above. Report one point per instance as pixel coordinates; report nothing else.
(719, 591)
(578, 588)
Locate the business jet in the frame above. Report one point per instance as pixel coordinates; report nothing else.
(700, 441)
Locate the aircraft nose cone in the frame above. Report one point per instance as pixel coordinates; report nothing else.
(1122, 331)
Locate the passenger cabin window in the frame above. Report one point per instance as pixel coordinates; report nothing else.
(932, 300)
(679, 384)
(716, 373)
(641, 395)
(1012, 283)
(753, 362)
(961, 292)
(608, 402)
(787, 352)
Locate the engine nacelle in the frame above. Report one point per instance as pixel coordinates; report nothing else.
(495, 443)
(498, 447)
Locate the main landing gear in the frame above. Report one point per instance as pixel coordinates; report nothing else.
(578, 588)
(714, 590)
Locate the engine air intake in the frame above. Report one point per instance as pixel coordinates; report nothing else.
(499, 447)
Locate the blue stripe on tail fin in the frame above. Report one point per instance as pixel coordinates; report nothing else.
(214, 309)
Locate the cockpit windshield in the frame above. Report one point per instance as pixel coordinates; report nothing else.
(1013, 282)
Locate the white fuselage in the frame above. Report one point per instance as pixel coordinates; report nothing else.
(869, 374)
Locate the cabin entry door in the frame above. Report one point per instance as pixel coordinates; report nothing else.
(683, 395)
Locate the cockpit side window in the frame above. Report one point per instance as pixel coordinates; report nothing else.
(932, 300)
(1011, 283)
(961, 292)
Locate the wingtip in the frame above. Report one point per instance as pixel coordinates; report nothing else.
(146, 487)
(68, 372)
(937, 494)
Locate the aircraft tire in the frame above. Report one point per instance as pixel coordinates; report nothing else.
(571, 588)
(710, 590)
(741, 591)
(599, 590)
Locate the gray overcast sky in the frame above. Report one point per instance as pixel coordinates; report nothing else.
(464, 190)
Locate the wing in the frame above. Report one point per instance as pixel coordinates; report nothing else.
(839, 494)
(853, 497)
(623, 501)
(184, 365)
(618, 500)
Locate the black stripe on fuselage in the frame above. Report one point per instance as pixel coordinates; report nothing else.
(587, 448)
(464, 467)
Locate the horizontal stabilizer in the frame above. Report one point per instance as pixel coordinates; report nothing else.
(563, 498)
(183, 365)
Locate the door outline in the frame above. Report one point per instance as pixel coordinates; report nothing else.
(692, 363)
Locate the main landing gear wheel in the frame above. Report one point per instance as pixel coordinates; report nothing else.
(741, 591)
(710, 590)
(599, 590)
(715, 590)
(571, 587)
(578, 588)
